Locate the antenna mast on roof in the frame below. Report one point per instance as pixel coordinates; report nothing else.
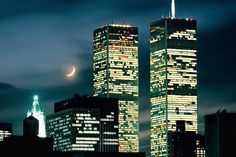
(173, 9)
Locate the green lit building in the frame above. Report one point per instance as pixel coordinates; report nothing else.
(173, 79)
(115, 75)
(84, 123)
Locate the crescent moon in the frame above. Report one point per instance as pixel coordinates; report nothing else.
(72, 72)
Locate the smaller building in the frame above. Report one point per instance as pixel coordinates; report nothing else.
(5, 130)
(220, 134)
(84, 123)
(30, 127)
(183, 143)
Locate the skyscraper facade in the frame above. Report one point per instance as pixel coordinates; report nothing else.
(115, 75)
(173, 79)
(84, 123)
(37, 113)
(5, 130)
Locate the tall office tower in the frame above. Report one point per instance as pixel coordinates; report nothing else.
(37, 113)
(173, 79)
(220, 134)
(84, 123)
(5, 130)
(115, 75)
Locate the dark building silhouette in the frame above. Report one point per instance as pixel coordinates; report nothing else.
(25, 144)
(30, 126)
(183, 143)
(96, 154)
(84, 123)
(29, 144)
(5, 130)
(220, 134)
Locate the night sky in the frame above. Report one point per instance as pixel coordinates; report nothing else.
(40, 40)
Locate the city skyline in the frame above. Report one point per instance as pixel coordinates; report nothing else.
(39, 39)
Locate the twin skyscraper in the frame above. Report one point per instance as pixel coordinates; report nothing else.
(173, 78)
(115, 71)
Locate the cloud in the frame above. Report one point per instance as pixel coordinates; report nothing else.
(5, 86)
(15, 8)
(10, 95)
(216, 79)
(145, 134)
(116, 9)
(144, 128)
(42, 51)
(144, 117)
(13, 104)
(145, 141)
(216, 55)
(84, 53)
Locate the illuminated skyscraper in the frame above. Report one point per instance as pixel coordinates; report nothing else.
(84, 124)
(115, 75)
(37, 113)
(173, 76)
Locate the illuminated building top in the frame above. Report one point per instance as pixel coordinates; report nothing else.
(173, 9)
(38, 114)
(120, 25)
